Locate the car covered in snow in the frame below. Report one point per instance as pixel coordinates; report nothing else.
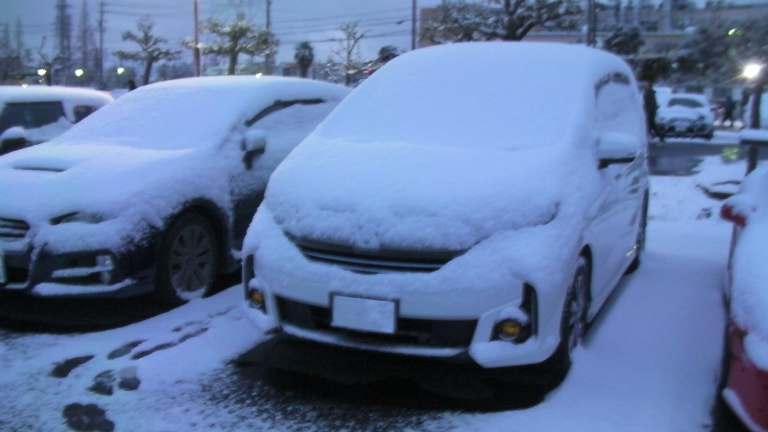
(746, 390)
(685, 115)
(154, 192)
(472, 214)
(33, 114)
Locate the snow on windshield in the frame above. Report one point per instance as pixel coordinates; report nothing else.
(176, 114)
(475, 95)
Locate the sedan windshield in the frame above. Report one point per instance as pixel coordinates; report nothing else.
(164, 117)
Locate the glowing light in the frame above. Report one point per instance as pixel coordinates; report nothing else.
(752, 70)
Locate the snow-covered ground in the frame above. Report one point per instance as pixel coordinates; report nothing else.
(650, 362)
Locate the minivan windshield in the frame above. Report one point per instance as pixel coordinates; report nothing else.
(522, 107)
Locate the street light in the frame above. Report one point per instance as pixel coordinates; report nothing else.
(120, 70)
(79, 73)
(752, 70)
(42, 72)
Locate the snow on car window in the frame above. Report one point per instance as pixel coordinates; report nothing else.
(178, 114)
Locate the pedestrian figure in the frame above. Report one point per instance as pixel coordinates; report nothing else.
(651, 106)
(728, 107)
(131, 85)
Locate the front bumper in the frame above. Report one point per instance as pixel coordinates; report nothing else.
(686, 129)
(102, 273)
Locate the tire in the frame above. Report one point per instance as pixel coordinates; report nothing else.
(188, 260)
(640, 239)
(573, 325)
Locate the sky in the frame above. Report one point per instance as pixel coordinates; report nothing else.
(293, 21)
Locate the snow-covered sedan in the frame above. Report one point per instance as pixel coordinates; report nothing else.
(34, 114)
(746, 391)
(153, 192)
(473, 201)
(685, 115)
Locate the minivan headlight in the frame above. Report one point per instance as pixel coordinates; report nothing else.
(85, 217)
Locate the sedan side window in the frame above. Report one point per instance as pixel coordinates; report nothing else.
(280, 105)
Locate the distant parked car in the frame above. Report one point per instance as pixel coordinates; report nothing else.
(154, 192)
(746, 390)
(685, 115)
(34, 114)
(474, 215)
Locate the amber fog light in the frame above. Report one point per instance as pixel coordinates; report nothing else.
(511, 330)
(256, 298)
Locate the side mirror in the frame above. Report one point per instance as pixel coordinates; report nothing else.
(617, 148)
(13, 138)
(254, 142)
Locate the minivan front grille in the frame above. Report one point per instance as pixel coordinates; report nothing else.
(13, 229)
(372, 262)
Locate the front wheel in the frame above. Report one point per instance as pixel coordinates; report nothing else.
(574, 321)
(188, 259)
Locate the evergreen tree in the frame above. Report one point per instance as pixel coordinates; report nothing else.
(624, 41)
(235, 38)
(304, 57)
(509, 20)
(151, 47)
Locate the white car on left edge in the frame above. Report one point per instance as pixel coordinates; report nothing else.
(154, 192)
(34, 114)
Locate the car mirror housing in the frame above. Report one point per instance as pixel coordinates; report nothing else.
(614, 148)
(254, 141)
(13, 138)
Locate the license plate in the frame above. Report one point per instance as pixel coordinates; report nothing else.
(3, 278)
(371, 315)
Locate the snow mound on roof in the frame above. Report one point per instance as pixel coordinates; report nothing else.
(491, 94)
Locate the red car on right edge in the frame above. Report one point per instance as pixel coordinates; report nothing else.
(746, 391)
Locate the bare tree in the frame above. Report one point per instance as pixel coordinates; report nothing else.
(235, 38)
(348, 50)
(49, 63)
(150, 47)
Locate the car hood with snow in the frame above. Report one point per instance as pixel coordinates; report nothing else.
(129, 186)
(409, 196)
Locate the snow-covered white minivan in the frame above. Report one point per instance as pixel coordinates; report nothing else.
(471, 201)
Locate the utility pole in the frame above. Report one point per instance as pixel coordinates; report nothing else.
(269, 59)
(196, 49)
(591, 24)
(413, 25)
(100, 60)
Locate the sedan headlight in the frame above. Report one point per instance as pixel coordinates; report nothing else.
(85, 217)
